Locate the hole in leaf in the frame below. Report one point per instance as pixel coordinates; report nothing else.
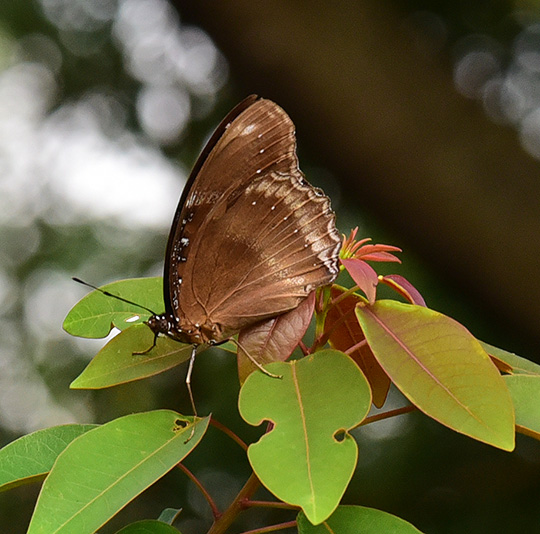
(339, 436)
(133, 319)
(179, 424)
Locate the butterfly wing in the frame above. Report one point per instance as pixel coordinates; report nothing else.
(252, 237)
(280, 243)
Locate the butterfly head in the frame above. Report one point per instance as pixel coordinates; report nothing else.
(185, 331)
(159, 324)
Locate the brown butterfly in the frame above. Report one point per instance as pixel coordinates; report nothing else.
(251, 238)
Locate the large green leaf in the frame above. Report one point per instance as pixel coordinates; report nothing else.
(95, 315)
(357, 520)
(105, 468)
(441, 368)
(525, 391)
(308, 458)
(30, 458)
(116, 363)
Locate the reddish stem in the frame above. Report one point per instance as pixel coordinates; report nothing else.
(303, 348)
(344, 295)
(270, 504)
(220, 426)
(350, 350)
(272, 528)
(215, 511)
(387, 415)
(221, 524)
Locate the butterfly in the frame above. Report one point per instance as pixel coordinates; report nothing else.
(251, 238)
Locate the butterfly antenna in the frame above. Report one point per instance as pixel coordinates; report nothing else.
(78, 280)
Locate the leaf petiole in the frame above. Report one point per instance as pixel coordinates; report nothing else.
(387, 415)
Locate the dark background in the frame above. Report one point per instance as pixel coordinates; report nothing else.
(419, 119)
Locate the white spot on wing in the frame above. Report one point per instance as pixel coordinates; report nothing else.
(248, 129)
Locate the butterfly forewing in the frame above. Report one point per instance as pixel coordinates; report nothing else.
(252, 238)
(227, 161)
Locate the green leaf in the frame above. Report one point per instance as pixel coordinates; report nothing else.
(148, 526)
(105, 468)
(95, 315)
(525, 391)
(355, 520)
(30, 458)
(308, 458)
(229, 346)
(116, 364)
(518, 364)
(441, 368)
(169, 515)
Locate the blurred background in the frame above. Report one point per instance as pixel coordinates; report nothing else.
(420, 119)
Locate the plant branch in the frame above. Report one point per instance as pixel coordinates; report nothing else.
(272, 528)
(356, 346)
(527, 432)
(387, 415)
(215, 511)
(303, 348)
(270, 504)
(344, 295)
(220, 426)
(221, 524)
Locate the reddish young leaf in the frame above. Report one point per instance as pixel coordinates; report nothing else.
(378, 253)
(275, 339)
(360, 250)
(364, 276)
(345, 332)
(404, 287)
